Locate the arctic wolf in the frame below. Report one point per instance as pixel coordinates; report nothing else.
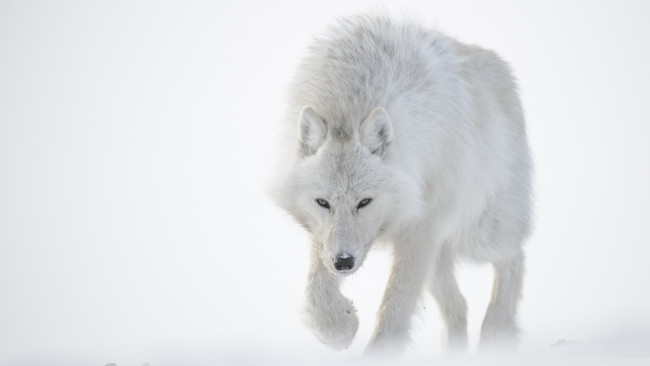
(402, 135)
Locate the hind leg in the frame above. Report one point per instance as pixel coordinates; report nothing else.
(499, 326)
(451, 302)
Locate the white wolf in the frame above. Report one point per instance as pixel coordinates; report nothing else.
(402, 135)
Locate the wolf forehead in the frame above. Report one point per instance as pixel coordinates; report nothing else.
(345, 167)
(342, 134)
(342, 126)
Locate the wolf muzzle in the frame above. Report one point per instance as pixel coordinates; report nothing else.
(344, 262)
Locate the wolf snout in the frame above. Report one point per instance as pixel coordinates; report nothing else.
(344, 262)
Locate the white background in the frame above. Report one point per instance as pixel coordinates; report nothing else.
(136, 145)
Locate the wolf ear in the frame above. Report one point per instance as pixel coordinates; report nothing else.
(311, 131)
(376, 132)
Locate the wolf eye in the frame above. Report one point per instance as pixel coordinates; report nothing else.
(322, 203)
(364, 202)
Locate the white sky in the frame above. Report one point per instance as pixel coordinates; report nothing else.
(136, 140)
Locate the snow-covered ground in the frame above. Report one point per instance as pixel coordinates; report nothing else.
(137, 139)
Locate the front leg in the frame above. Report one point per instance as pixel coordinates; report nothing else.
(330, 316)
(411, 263)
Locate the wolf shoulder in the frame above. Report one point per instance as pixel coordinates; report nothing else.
(368, 61)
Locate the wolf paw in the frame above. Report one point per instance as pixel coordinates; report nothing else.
(333, 322)
(498, 332)
(387, 343)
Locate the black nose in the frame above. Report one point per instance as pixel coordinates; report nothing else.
(344, 262)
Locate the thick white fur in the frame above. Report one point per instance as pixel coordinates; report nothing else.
(432, 131)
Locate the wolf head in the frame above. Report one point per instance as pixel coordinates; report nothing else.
(344, 188)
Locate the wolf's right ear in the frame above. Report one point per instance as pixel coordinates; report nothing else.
(311, 131)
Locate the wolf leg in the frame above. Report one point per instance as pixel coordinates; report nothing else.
(499, 326)
(451, 302)
(330, 316)
(411, 262)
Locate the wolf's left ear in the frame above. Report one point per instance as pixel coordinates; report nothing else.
(376, 132)
(311, 131)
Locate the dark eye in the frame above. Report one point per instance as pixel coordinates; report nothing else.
(322, 203)
(364, 202)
